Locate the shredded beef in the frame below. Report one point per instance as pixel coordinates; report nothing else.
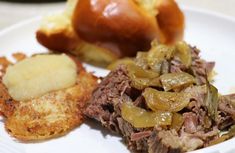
(190, 141)
(226, 111)
(227, 104)
(190, 122)
(200, 68)
(177, 66)
(112, 91)
(140, 135)
(205, 135)
(164, 142)
(198, 94)
(109, 93)
(197, 130)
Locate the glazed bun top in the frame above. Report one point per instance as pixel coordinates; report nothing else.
(127, 26)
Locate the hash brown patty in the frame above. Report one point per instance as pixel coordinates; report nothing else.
(51, 115)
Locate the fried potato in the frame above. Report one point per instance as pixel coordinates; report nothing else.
(51, 115)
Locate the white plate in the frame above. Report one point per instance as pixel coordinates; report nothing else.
(214, 34)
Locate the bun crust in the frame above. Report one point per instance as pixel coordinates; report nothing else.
(171, 21)
(118, 25)
(124, 27)
(58, 41)
(113, 28)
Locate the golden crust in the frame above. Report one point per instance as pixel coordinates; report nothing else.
(102, 36)
(62, 40)
(56, 31)
(19, 56)
(171, 21)
(121, 32)
(51, 115)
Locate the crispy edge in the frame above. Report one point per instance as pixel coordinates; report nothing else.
(86, 82)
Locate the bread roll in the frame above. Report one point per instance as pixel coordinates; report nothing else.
(101, 31)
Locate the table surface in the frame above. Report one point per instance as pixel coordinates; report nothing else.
(11, 13)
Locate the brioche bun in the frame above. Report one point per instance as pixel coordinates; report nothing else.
(102, 31)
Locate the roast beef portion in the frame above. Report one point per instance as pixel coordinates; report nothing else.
(104, 102)
(199, 123)
(105, 108)
(164, 141)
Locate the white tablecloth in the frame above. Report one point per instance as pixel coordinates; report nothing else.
(11, 13)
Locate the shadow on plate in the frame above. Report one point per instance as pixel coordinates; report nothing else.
(93, 124)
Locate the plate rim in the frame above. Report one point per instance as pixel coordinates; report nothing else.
(211, 149)
(183, 7)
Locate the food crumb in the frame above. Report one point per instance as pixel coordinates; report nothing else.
(19, 56)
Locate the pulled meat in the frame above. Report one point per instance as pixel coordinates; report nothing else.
(197, 129)
(190, 122)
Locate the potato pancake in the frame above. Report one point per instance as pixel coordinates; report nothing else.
(51, 115)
